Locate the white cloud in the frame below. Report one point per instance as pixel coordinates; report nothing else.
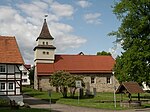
(47, 1)
(64, 39)
(6, 12)
(84, 3)
(25, 22)
(67, 41)
(33, 10)
(15, 25)
(61, 27)
(92, 18)
(41, 5)
(62, 10)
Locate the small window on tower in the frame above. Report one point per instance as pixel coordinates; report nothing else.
(43, 43)
(47, 52)
(46, 43)
(43, 52)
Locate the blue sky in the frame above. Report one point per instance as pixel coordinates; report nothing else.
(76, 25)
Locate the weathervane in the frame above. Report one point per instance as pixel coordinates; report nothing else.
(46, 15)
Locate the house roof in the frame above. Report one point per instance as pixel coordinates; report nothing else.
(27, 66)
(78, 64)
(9, 51)
(45, 34)
(129, 87)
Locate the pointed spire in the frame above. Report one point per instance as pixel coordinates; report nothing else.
(45, 34)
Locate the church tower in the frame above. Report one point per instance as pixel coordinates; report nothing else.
(44, 52)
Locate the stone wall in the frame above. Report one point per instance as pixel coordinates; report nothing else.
(35, 79)
(100, 83)
(44, 84)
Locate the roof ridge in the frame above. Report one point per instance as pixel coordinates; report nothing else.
(82, 55)
(7, 36)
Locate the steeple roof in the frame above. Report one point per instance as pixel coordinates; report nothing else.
(45, 34)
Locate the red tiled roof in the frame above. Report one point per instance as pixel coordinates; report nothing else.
(78, 64)
(9, 50)
(27, 66)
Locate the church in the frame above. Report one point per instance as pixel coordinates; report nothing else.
(96, 70)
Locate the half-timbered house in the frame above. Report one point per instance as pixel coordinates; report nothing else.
(25, 75)
(10, 73)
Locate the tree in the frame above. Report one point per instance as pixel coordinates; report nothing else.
(31, 75)
(63, 80)
(72, 84)
(103, 53)
(134, 35)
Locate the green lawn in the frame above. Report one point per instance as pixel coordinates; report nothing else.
(102, 100)
(24, 110)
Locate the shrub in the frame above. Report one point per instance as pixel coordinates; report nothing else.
(4, 102)
(147, 91)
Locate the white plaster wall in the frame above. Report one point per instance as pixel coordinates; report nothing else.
(40, 55)
(2, 76)
(24, 70)
(10, 68)
(40, 41)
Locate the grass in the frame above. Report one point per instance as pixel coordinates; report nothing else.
(101, 100)
(24, 110)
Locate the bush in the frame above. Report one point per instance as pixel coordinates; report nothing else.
(4, 102)
(147, 91)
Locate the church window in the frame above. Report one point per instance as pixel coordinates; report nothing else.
(92, 80)
(108, 80)
(46, 43)
(43, 52)
(43, 43)
(47, 52)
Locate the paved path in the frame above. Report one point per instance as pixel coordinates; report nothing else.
(37, 103)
